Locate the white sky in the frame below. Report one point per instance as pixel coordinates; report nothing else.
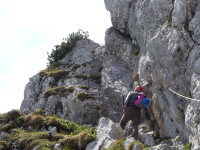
(30, 28)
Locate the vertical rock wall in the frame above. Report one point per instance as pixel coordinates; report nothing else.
(166, 32)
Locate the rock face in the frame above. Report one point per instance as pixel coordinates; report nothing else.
(87, 85)
(167, 35)
(152, 42)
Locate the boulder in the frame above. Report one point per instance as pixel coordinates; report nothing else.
(107, 132)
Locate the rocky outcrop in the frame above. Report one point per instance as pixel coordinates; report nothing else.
(87, 84)
(72, 90)
(154, 43)
(107, 133)
(166, 33)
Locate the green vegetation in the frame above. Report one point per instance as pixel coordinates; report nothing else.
(159, 139)
(75, 67)
(79, 141)
(72, 135)
(100, 68)
(139, 143)
(82, 76)
(55, 73)
(62, 91)
(82, 96)
(65, 47)
(96, 77)
(117, 145)
(84, 87)
(11, 120)
(188, 146)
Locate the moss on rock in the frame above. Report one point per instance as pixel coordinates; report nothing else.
(96, 77)
(82, 76)
(82, 96)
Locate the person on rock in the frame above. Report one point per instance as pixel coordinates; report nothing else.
(132, 108)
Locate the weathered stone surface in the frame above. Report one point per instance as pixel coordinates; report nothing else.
(163, 147)
(3, 135)
(153, 43)
(107, 132)
(166, 33)
(147, 138)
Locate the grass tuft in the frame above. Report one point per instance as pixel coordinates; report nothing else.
(79, 141)
(82, 96)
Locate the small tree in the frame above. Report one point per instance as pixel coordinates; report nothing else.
(65, 47)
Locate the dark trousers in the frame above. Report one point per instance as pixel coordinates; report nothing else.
(131, 113)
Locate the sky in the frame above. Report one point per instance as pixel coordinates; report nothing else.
(30, 28)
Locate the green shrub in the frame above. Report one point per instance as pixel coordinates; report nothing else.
(188, 146)
(10, 116)
(19, 121)
(65, 47)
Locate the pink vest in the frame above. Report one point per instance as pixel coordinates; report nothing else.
(140, 98)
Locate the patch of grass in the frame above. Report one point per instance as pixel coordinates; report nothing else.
(83, 87)
(81, 76)
(56, 122)
(10, 116)
(39, 112)
(55, 73)
(79, 141)
(96, 77)
(4, 145)
(75, 67)
(28, 140)
(80, 135)
(62, 91)
(35, 121)
(117, 145)
(188, 146)
(138, 143)
(43, 144)
(6, 127)
(100, 68)
(70, 89)
(82, 96)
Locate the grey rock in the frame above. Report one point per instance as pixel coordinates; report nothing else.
(128, 141)
(147, 138)
(58, 146)
(52, 130)
(107, 132)
(3, 135)
(163, 147)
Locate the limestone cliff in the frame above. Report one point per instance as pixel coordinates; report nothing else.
(155, 39)
(167, 34)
